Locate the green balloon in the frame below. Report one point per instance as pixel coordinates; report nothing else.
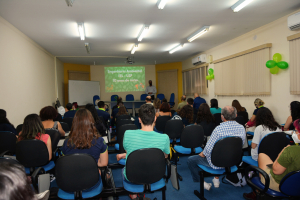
(277, 57)
(282, 65)
(212, 76)
(207, 77)
(210, 71)
(270, 63)
(274, 70)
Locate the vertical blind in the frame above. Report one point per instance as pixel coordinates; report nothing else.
(244, 75)
(194, 81)
(295, 66)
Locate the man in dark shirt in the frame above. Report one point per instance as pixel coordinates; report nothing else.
(101, 111)
(69, 112)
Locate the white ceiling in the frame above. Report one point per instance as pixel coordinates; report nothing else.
(112, 26)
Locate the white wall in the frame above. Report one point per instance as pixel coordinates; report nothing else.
(97, 74)
(280, 98)
(27, 78)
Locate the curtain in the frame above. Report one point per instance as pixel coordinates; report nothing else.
(294, 66)
(194, 81)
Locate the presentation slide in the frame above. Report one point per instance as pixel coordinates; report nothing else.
(124, 79)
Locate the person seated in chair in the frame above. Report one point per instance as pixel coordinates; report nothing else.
(295, 114)
(47, 115)
(258, 103)
(206, 119)
(98, 122)
(34, 129)
(288, 160)
(156, 104)
(84, 138)
(115, 112)
(228, 128)
(101, 111)
(149, 100)
(164, 110)
(182, 103)
(69, 111)
(186, 114)
(214, 107)
(5, 125)
(122, 111)
(119, 99)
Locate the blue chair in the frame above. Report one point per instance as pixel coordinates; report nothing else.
(161, 96)
(145, 171)
(143, 97)
(173, 129)
(289, 185)
(271, 145)
(161, 122)
(7, 143)
(130, 97)
(226, 153)
(114, 97)
(77, 180)
(172, 100)
(96, 97)
(250, 133)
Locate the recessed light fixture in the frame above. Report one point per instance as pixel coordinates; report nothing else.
(143, 32)
(240, 5)
(176, 48)
(87, 47)
(81, 31)
(70, 2)
(134, 48)
(161, 4)
(197, 34)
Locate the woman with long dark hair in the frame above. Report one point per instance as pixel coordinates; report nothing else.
(84, 138)
(206, 119)
(186, 114)
(122, 111)
(48, 114)
(5, 125)
(295, 114)
(98, 122)
(164, 110)
(265, 124)
(214, 106)
(33, 129)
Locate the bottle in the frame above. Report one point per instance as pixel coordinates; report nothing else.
(110, 129)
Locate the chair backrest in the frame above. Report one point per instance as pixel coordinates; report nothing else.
(241, 120)
(289, 185)
(65, 126)
(244, 114)
(7, 142)
(76, 172)
(192, 136)
(19, 128)
(114, 97)
(9, 160)
(55, 137)
(227, 152)
(174, 128)
(218, 118)
(120, 134)
(208, 128)
(161, 96)
(143, 97)
(69, 121)
(121, 117)
(129, 97)
(32, 153)
(272, 144)
(121, 122)
(172, 97)
(95, 97)
(145, 166)
(161, 122)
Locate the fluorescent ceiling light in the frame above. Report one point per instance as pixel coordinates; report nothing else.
(143, 32)
(240, 5)
(197, 34)
(70, 2)
(134, 48)
(161, 4)
(81, 31)
(87, 47)
(176, 48)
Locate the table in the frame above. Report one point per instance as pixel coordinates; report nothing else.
(131, 103)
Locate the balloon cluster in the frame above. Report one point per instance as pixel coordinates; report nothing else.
(211, 74)
(276, 64)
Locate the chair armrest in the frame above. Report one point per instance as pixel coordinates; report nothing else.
(263, 173)
(4, 152)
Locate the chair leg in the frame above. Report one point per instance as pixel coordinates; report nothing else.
(201, 194)
(178, 175)
(78, 195)
(164, 193)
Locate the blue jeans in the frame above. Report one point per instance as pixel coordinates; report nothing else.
(193, 162)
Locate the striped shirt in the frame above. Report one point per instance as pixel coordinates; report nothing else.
(225, 129)
(138, 139)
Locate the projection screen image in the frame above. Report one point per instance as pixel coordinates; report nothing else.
(124, 79)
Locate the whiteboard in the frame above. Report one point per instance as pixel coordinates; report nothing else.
(83, 92)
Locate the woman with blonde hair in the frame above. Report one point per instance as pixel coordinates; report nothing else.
(156, 104)
(258, 103)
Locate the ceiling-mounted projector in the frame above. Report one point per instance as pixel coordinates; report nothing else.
(129, 60)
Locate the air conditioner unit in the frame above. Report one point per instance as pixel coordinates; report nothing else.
(199, 59)
(294, 21)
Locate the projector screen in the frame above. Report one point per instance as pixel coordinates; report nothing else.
(83, 92)
(124, 79)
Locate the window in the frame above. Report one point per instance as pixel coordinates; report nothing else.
(194, 80)
(294, 41)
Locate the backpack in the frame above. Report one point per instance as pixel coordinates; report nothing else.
(236, 179)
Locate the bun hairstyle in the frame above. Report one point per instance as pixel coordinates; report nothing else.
(258, 102)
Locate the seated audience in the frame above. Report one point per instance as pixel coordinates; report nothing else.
(241, 111)
(214, 107)
(156, 104)
(122, 111)
(98, 123)
(258, 103)
(69, 111)
(115, 112)
(149, 100)
(119, 99)
(101, 111)
(295, 114)
(164, 110)
(265, 124)
(206, 119)
(182, 103)
(5, 125)
(228, 128)
(186, 114)
(75, 106)
(84, 138)
(197, 102)
(96, 104)
(33, 129)
(190, 101)
(164, 100)
(47, 115)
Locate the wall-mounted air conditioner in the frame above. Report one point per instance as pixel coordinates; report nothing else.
(294, 22)
(199, 59)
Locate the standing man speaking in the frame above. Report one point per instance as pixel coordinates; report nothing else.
(151, 90)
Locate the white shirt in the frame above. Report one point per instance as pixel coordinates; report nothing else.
(259, 133)
(151, 89)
